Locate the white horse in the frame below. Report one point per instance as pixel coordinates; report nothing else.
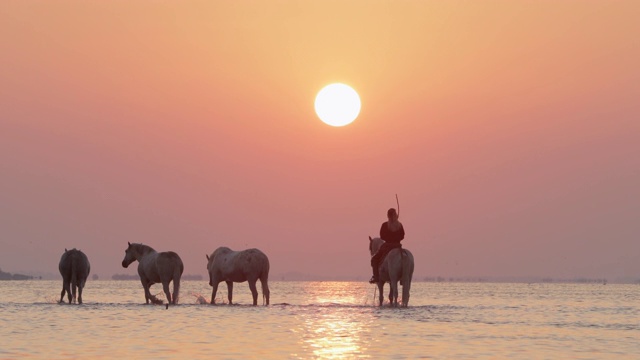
(155, 267)
(74, 268)
(396, 266)
(231, 266)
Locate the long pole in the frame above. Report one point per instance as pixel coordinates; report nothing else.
(398, 202)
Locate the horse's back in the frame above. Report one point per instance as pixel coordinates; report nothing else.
(168, 262)
(406, 259)
(240, 266)
(399, 253)
(253, 258)
(170, 256)
(408, 263)
(398, 261)
(222, 251)
(74, 261)
(406, 253)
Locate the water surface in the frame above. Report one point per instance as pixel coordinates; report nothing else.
(324, 320)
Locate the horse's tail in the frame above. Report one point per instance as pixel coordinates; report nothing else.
(264, 282)
(407, 274)
(74, 276)
(177, 274)
(402, 255)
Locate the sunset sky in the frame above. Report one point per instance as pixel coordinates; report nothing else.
(510, 131)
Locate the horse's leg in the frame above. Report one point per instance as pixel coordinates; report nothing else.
(254, 291)
(407, 274)
(165, 287)
(74, 286)
(80, 293)
(395, 293)
(64, 290)
(176, 286)
(265, 290)
(229, 291)
(391, 293)
(405, 292)
(380, 290)
(147, 293)
(214, 284)
(67, 287)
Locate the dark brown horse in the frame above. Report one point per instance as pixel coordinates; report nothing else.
(74, 268)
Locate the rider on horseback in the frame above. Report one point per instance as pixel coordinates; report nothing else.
(392, 233)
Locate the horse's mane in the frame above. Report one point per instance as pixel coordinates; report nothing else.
(72, 251)
(377, 241)
(220, 249)
(142, 247)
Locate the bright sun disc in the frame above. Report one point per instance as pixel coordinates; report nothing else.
(337, 104)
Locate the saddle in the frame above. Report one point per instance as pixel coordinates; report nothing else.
(386, 248)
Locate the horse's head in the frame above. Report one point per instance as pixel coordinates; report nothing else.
(374, 245)
(129, 255)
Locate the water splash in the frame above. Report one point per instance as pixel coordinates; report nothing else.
(154, 299)
(200, 299)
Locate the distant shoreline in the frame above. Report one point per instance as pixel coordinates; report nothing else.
(295, 276)
(9, 276)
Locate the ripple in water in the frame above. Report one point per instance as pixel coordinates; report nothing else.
(324, 320)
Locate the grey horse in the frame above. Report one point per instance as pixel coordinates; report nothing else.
(231, 266)
(74, 268)
(396, 266)
(155, 267)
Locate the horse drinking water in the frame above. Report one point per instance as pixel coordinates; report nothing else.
(396, 266)
(74, 268)
(155, 267)
(231, 266)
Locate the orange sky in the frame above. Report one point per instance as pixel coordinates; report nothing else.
(509, 129)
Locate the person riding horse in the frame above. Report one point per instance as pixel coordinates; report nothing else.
(392, 232)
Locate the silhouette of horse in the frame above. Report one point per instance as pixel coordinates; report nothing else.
(396, 266)
(74, 268)
(155, 267)
(231, 266)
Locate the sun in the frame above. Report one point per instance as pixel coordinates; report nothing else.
(337, 104)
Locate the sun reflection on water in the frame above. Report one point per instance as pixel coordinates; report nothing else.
(334, 331)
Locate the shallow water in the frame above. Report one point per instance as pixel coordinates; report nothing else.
(324, 320)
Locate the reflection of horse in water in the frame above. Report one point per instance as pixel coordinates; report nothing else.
(231, 266)
(155, 267)
(396, 266)
(74, 268)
